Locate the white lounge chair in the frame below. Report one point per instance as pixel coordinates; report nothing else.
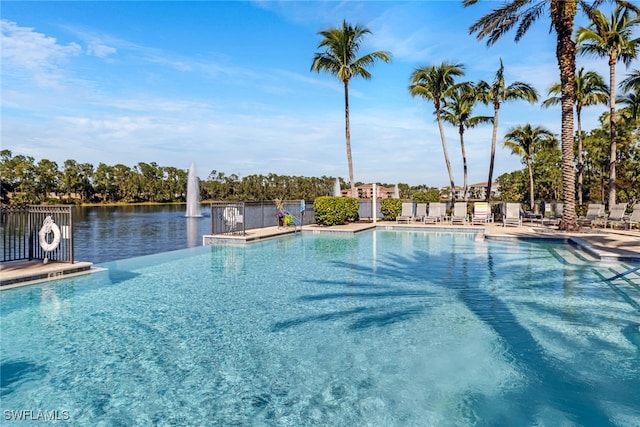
(616, 215)
(434, 214)
(407, 213)
(634, 218)
(481, 213)
(459, 214)
(595, 212)
(512, 215)
(421, 212)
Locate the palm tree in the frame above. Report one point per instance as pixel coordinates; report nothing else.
(525, 141)
(611, 38)
(433, 83)
(589, 89)
(632, 102)
(632, 82)
(562, 13)
(339, 57)
(457, 109)
(497, 93)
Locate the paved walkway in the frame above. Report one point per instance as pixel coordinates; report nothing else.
(605, 245)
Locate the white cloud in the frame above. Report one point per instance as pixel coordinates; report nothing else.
(100, 50)
(25, 50)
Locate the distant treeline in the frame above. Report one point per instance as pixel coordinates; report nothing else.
(26, 181)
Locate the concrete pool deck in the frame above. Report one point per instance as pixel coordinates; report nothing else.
(599, 244)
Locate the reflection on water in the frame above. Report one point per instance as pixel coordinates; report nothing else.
(109, 233)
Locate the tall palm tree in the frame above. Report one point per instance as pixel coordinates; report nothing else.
(590, 89)
(339, 57)
(613, 39)
(497, 93)
(562, 13)
(525, 141)
(433, 83)
(457, 109)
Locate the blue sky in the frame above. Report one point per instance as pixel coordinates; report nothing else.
(227, 85)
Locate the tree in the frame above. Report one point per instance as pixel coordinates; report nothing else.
(433, 83)
(632, 82)
(497, 93)
(525, 141)
(611, 38)
(341, 46)
(457, 109)
(589, 89)
(562, 13)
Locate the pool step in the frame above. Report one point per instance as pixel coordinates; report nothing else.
(625, 280)
(570, 255)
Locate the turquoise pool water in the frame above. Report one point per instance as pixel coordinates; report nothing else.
(386, 328)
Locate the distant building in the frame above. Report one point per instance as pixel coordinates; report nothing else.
(365, 191)
(477, 191)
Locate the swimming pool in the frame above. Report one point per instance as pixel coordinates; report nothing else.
(384, 328)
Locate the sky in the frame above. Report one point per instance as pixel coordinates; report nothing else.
(227, 86)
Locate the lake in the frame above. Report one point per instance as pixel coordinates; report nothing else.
(109, 233)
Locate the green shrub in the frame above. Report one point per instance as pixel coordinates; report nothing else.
(432, 195)
(391, 208)
(331, 210)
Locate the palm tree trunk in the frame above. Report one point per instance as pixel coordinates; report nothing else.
(446, 154)
(348, 138)
(464, 163)
(562, 16)
(612, 124)
(531, 197)
(580, 165)
(494, 137)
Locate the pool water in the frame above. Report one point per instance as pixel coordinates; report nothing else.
(387, 328)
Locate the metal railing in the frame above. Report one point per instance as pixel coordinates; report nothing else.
(256, 215)
(36, 232)
(227, 218)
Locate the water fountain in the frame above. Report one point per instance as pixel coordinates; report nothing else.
(193, 194)
(336, 188)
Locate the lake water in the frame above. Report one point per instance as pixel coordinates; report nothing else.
(109, 233)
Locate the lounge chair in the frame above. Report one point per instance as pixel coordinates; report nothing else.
(407, 213)
(595, 211)
(512, 215)
(555, 214)
(530, 216)
(459, 213)
(634, 218)
(421, 212)
(616, 215)
(481, 213)
(435, 213)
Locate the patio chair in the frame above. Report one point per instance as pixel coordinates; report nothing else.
(459, 214)
(555, 214)
(407, 213)
(634, 218)
(481, 213)
(595, 211)
(616, 215)
(434, 214)
(512, 215)
(421, 212)
(530, 216)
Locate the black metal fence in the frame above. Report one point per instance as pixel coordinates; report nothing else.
(242, 216)
(227, 218)
(36, 232)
